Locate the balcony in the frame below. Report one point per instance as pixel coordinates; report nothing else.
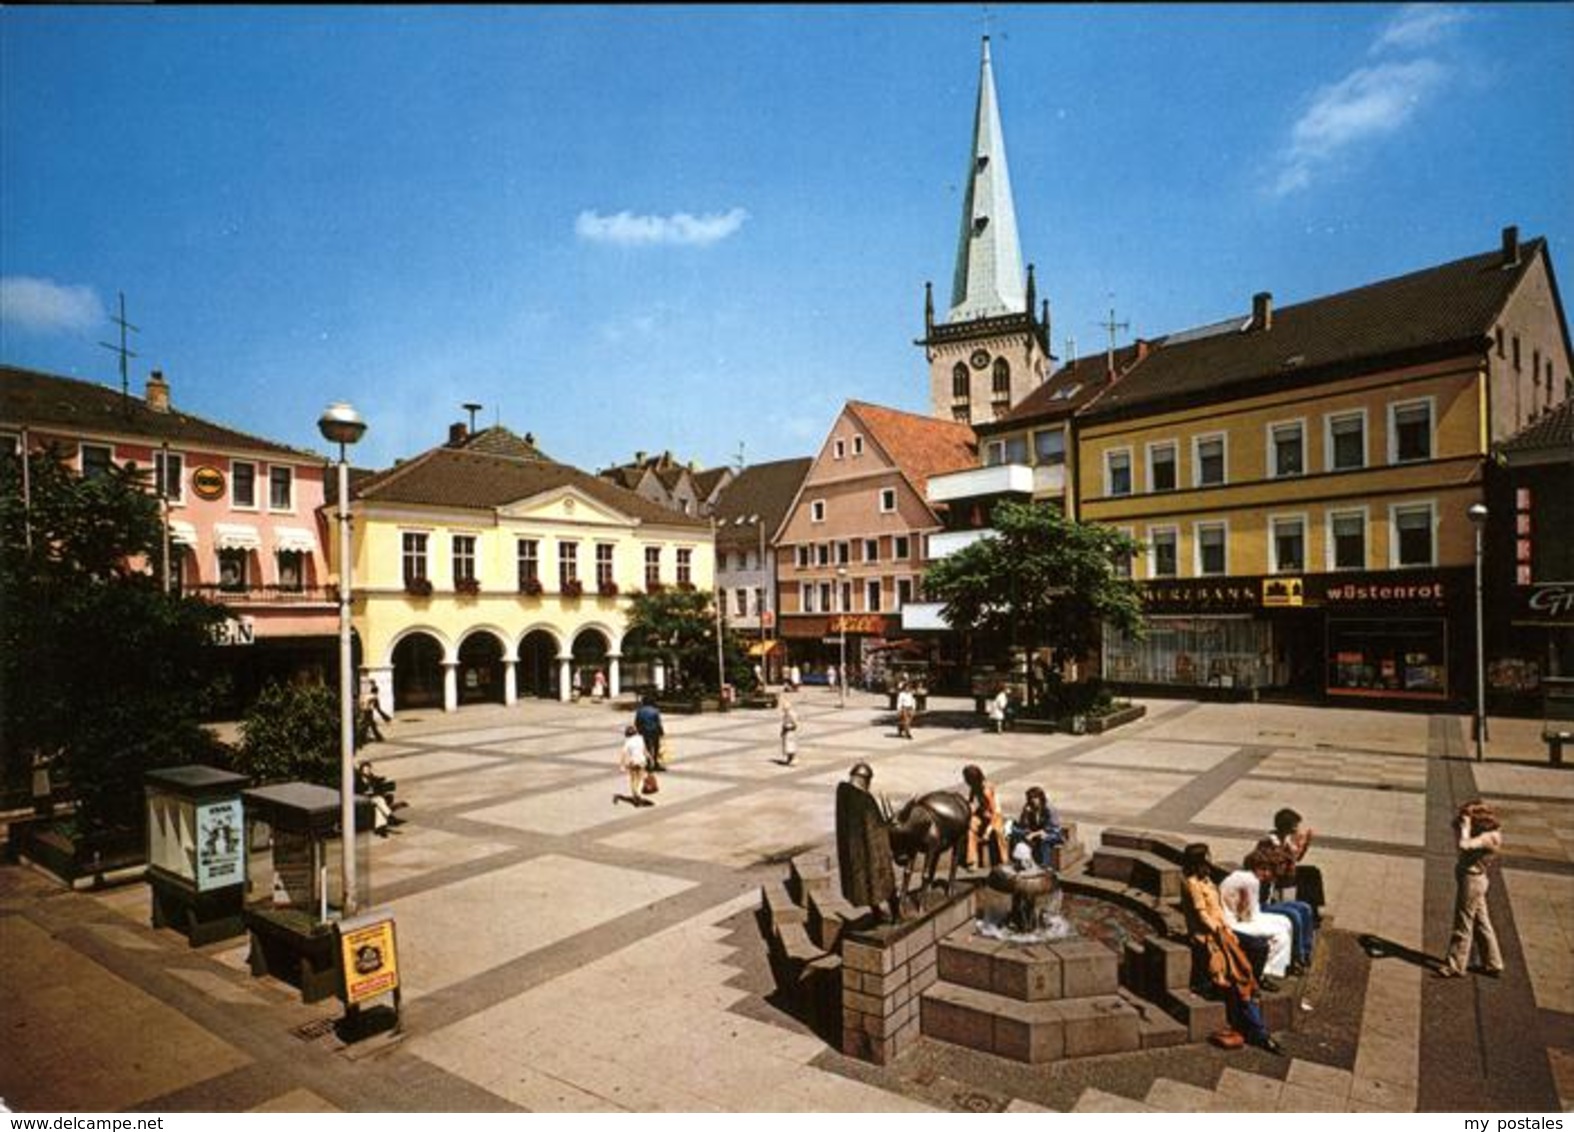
(1049, 479)
(264, 595)
(923, 615)
(943, 544)
(979, 483)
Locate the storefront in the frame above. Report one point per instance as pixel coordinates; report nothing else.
(818, 643)
(1393, 635)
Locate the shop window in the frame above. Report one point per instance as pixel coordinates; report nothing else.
(232, 570)
(281, 489)
(1049, 446)
(243, 484)
(1209, 459)
(1412, 534)
(1163, 553)
(414, 548)
(1220, 652)
(1347, 540)
(1211, 556)
(1410, 431)
(1289, 545)
(1117, 472)
(1347, 442)
(97, 460)
(1390, 657)
(1161, 466)
(1288, 447)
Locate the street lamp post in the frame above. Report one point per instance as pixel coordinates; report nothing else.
(1478, 519)
(342, 425)
(720, 596)
(841, 672)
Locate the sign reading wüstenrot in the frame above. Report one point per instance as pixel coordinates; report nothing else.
(369, 957)
(1430, 592)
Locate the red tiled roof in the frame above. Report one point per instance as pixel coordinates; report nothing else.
(920, 446)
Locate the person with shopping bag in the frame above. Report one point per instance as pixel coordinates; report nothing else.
(634, 761)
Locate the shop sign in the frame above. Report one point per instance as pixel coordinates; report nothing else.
(369, 957)
(1429, 593)
(219, 859)
(1199, 596)
(858, 623)
(208, 482)
(1280, 593)
(1550, 601)
(235, 631)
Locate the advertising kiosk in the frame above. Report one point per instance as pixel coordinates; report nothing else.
(196, 858)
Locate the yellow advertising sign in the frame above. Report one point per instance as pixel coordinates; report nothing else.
(369, 957)
(1281, 592)
(208, 482)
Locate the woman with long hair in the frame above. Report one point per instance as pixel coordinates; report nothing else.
(1229, 970)
(1477, 830)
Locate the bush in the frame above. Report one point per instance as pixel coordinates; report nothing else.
(291, 734)
(1062, 699)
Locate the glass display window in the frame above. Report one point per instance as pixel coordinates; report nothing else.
(1407, 659)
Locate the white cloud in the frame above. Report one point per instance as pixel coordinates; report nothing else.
(1418, 26)
(629, 230)
(47, 307)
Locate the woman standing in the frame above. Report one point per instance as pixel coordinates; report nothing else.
(1476, 828)
(985, 823)
(789, 732)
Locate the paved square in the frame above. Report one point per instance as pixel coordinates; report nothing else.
(1194, 757)
(590, 803)
(1336, 811)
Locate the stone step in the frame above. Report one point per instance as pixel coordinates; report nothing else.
(1032, 1032)
(794, 944)
(828, 915)
(1138, 868)
(809, 873)
(779, 906)
(1071, 968)
(1156, 1028)
(1172, 849)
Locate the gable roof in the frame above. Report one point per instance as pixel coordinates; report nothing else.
(708, 481)
(766, 490)
(1066, 391)
(458, 477)
(1426, 315)
(499, 441)
(920, 446)
(1552, 434)
(46, 400)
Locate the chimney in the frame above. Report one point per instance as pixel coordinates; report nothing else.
(457, 432)
(158, 392)
(639, 456)
(1511, 246)
(1143, 349)
(1262, 310)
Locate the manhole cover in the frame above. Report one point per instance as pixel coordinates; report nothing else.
(313, 1030)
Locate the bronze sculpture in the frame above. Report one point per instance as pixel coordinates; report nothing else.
(929, 825)
(863, 848)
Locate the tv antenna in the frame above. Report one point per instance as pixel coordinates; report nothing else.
(1112, 326)
(125, 353)
(472, 407)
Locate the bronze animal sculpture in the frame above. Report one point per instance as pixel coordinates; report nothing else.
(929, 825)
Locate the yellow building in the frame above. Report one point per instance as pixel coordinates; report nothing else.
(1301, 480)
(484, 571)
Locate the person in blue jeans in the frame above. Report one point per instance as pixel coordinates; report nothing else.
(1264, 864)
(1227, 968)
(1038, 827)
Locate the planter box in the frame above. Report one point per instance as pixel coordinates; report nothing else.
(75, 862)
(1099, 724)
(689, 707)
(1091, 725)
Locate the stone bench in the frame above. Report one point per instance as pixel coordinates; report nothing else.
(1032, 1032)
(1139, 869)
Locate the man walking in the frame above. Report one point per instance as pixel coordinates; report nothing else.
(647, 721)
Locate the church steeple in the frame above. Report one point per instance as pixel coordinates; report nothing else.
(988, 278)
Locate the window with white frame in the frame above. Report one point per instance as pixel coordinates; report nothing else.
(901, 549)
(528, 558)
(414, 555)
(825, 598)
(653, 567)
(1161, 466)
(844, 553)
(1212, 558)
(1412, 534)
(847, 597)
(822, 554)
(801, 556)
(887, 500)
(1208, 460)
(169, 478)
(904, 591)
(1287, 449)
(96, 460)
(1347, 441)
(464, 558)
(1163, 552)
(858, 446)
(740, 603)
(685, 566)
(567, 563)
(807, 594)
(817, 511)
(1117, 471)
(1287, 544)
(1410, 431)
(233, 570)
(291, 570)
(872, 595)
(603, 564)
(871, 550)
(838, 448)
(1049, 446)
(1347, 540)
(281, 488)
(243, 484)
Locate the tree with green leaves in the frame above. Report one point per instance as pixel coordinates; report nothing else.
(678, 628)
(291, 734)
(103, 675)
(1040, 581)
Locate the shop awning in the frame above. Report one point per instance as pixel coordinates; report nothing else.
(236, 536)
(294, 538)
(761, 648)
(183, 533)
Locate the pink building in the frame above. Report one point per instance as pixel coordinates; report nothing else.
(243, 513)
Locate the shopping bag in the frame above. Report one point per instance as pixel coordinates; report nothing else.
(650, 785)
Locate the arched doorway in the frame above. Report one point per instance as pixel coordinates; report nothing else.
(536, 672)
(480, 669)
(590, 656)
(418, 672)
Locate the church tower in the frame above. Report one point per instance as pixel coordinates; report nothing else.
(991, 350)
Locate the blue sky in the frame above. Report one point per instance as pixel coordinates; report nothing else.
(664, 227)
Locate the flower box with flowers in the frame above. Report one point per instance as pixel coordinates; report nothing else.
(467, 586)
(531, 587)
(686, 587)
(418, 587)
(655, 588)
(607, 589)
(573, 588)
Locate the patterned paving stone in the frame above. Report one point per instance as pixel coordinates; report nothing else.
(1155, 754)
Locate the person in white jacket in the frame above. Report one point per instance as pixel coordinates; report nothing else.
(1240, 893)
